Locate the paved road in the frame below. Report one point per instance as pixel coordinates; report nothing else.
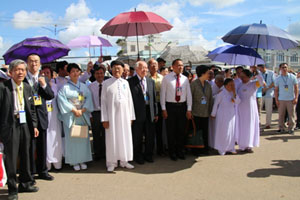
(271, 172)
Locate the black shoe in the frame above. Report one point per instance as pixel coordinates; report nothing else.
(280, 131)
(46, 177)
(181, 156)
(12, 197)
(140, 161)
(28, 189)
(33, 183)
(149, 159)
(173, 157)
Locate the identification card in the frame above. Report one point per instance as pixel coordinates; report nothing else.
(80, 96)
(49, 106)
(203, 101)
(286, 87)
(37, 100)
(178, 91)
(22, 115)
(146, 97)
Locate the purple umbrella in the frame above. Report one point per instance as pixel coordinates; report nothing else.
(260, 36)
(89, 41)
(47, 48)
(236, 55)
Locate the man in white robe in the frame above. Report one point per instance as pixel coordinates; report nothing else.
(117, 115)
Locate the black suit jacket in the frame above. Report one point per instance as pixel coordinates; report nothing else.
(7, 110)
(138, 98)
(41, 111)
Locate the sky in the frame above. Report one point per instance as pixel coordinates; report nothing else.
(195, 22)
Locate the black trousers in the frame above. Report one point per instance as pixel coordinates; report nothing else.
(176, 123)
(298, 112)
(141, 129)
(202, 124)
(18, 145)
(98, 135)
(158, 131)
(38, 150)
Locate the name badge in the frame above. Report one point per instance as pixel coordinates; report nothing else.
(37, 100)
(146, 97)
(80, 96)
(49, 106)
(179, 91)
(22, 115)
(286, 87)
(203, 101)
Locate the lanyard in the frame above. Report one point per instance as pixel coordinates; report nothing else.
(20, 95)
(285, 80)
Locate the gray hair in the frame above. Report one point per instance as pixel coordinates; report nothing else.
(219, 77)
(16, 63)
(137, 64)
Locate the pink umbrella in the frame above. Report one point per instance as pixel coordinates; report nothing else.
(89, 41)
(135, 24)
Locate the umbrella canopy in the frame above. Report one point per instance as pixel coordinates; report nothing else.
(236, 55)
(88, 41)
(47, 48)
(185, 53)
(260, 36)
(134, 24)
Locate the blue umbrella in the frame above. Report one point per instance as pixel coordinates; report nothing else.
(260, 36)
(236, 55)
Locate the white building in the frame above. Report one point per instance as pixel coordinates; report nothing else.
(274, 57)
(149, 46)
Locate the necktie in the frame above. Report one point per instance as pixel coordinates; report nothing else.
(177, 92)
(100, 89)
(142, 84)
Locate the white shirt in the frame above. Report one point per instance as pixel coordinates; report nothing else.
(31, 78)
(168, 91)
(17, 105)
(144, 83)
(94, 88)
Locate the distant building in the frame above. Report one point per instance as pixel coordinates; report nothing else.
(151, 45)
(274, 57)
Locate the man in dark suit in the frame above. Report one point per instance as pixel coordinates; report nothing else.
(143, 95)
(42, 92)
(18, 124)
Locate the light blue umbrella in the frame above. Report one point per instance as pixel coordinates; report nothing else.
(236, 55)
(260, 36)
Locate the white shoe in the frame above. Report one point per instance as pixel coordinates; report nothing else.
(110, 169)
(76, 167)
(83, 166)
(126, 165)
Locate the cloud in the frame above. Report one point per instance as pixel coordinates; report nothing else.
(294, 29)
(24, 19)
(77, 11)
(216, 3)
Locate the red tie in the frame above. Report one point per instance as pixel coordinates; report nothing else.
(177, 92)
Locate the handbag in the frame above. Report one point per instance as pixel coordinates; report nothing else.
(79, 131)
(194, 137)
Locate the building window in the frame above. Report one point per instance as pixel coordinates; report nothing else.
(132, 48)
(147, 48)
(280, 57)
(267, 58)
(294, 58)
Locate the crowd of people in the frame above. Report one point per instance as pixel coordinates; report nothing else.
(134, 113)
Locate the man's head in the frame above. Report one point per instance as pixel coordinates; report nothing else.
(228, 73)
(219, 80)
(141, 68)
(164, 71)
(34, 63)
(153, 66)
(126, 71)
(262, 68)
(177, 66)
(283, 67)
(239, 70)
(161, 62)
(202, 71)
(47, 71)
(187, 68)
(17, 70)
(117, 68)
(99, 73)
(61, 68)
